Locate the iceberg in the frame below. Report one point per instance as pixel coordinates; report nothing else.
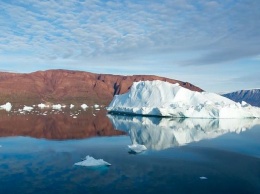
(27, 108)
(56, 106)
(84, 106)
(137, 148)
(7, 106)
(90, 161)
(158, 98)
(158, 133)
(41, 105)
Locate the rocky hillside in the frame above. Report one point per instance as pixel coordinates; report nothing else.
(250, 96)
(65, 86)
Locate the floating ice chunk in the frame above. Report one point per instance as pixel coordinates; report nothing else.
(137, 148)
(203, 178)
(7, 106)
(41, 105)
(84, 106)
(90, 161)
(71, 106)
(27, 108)
(56, 106)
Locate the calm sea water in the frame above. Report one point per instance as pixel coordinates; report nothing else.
(183, 156)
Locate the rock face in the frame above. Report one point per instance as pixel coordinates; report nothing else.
(250, 96)
(65, 86)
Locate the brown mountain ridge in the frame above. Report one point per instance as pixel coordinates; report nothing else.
(66, 86)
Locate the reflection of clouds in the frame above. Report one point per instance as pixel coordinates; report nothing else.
(161, 133)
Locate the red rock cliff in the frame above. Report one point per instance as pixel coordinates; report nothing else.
(65, 86)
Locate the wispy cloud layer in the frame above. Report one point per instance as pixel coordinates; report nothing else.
(103, 32)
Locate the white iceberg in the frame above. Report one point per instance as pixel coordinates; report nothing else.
(41, 105)
(90, 161)
(158, 98)
(56, 106)
(84, 106)
(137, 148)
(161, 133)
(7, 106)
(27, 108)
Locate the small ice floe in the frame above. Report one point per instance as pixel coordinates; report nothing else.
(84, 106)
(137, 148)
(56, 106)
(7, 106)
(27, 108)
(203, 178)
(41, 105)
(91, 162)
(71, 106)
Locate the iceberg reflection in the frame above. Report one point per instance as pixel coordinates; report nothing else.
(161, 133)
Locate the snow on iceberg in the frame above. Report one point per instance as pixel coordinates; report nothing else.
(7, 106)
(90, 161)
(158, 98)
(161, 133)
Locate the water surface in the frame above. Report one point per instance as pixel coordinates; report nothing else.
(183, 156)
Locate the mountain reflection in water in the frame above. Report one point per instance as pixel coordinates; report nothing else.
(161, 133)
(57, 125)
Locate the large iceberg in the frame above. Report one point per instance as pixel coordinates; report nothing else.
(158, 98)
(160, 133)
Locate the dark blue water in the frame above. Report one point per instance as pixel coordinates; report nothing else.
(230, 163)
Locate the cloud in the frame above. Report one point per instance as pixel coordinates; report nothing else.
(93, 29)
(247, 79)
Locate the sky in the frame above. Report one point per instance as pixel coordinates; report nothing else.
(214, 44)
